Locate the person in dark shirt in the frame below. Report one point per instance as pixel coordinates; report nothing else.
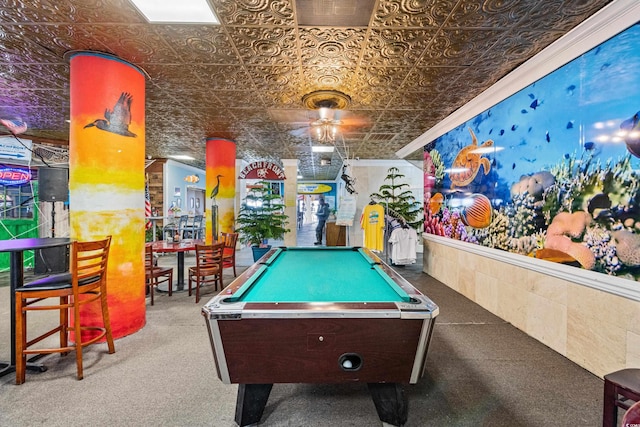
(322, 214)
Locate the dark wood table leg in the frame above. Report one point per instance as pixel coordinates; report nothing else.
(252, 399)
(391, 402)
(180, 284)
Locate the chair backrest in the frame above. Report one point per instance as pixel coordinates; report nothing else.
(182, 225)
(89, 262)
(209, 256)
(197, 221)
(229, 239)
(148, 257)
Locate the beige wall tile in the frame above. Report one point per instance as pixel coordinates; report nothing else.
(633, 350)
(597, 330)
(547, 287)
(486, 290)
(513, 303)
(547, 322)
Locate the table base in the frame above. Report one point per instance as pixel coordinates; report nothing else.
(6, 367)
(389, 399)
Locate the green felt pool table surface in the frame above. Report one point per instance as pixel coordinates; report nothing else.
(340, 274)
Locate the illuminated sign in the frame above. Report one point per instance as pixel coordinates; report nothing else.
(262, 170)
(14, 176)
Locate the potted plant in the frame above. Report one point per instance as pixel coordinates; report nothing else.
(261, 217)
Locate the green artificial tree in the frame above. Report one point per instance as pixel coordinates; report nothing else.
(261, 216)
(399, 200)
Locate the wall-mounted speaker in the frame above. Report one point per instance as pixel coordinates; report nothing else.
(53, 184)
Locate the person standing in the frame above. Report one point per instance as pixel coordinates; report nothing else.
(322, 214)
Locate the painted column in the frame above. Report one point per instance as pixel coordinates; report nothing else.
(290, 198)
(221, 187)
(106, 177)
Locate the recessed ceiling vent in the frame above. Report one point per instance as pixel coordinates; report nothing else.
(334, 13)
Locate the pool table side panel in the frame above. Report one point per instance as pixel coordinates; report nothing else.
(285, 351)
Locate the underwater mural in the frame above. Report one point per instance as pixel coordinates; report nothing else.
(551, 172)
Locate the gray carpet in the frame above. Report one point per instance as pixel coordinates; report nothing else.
(481, 371)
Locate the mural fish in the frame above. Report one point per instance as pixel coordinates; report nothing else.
(435, 203)
(478, 214)
(468, 161)
(192, 179)
(632, 139)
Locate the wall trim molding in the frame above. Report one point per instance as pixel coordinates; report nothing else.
(606, 23)
(600, 281)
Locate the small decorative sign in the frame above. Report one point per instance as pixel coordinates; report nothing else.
(262, 170)
(313, 188)
(13, 149)
(14, 176)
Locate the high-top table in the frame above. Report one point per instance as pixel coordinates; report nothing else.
(180, 247)
(16, 248)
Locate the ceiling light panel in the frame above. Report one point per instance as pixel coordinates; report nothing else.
(185, 11)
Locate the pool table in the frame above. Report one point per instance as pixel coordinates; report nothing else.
(320, 315)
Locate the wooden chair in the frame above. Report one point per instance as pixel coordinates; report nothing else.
(229, 256)
(155, 275)
(621, 390)
(84, 284)
(208, 268)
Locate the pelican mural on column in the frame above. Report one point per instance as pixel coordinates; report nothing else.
(117, 120)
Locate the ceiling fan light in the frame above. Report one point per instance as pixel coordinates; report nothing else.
(322, 148)
(326, 113)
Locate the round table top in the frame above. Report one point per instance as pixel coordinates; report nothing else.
(181, 246)
(17, 245)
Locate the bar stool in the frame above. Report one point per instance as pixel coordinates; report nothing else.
(621, 390)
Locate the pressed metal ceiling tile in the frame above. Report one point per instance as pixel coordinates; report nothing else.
(458, 47)
(266, 46)
(198, 44)
(503, 14)
(405, 66)
(401, 13)
(255, 12)
(396, 47)
(331, 47)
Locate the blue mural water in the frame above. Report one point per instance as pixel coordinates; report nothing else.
(553, 171)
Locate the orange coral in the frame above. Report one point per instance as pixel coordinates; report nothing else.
(565, 227)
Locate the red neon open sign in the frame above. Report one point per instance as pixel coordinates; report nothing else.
(13, 176)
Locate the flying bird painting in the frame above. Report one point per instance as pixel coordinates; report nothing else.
(117, 120)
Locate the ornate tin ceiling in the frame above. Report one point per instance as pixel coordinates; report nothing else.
(404, 64)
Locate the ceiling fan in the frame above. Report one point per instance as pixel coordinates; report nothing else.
(324, 119)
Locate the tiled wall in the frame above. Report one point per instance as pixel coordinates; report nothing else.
(597, 330)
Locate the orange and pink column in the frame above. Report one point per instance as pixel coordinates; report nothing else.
(106, 177)
(221, 187)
